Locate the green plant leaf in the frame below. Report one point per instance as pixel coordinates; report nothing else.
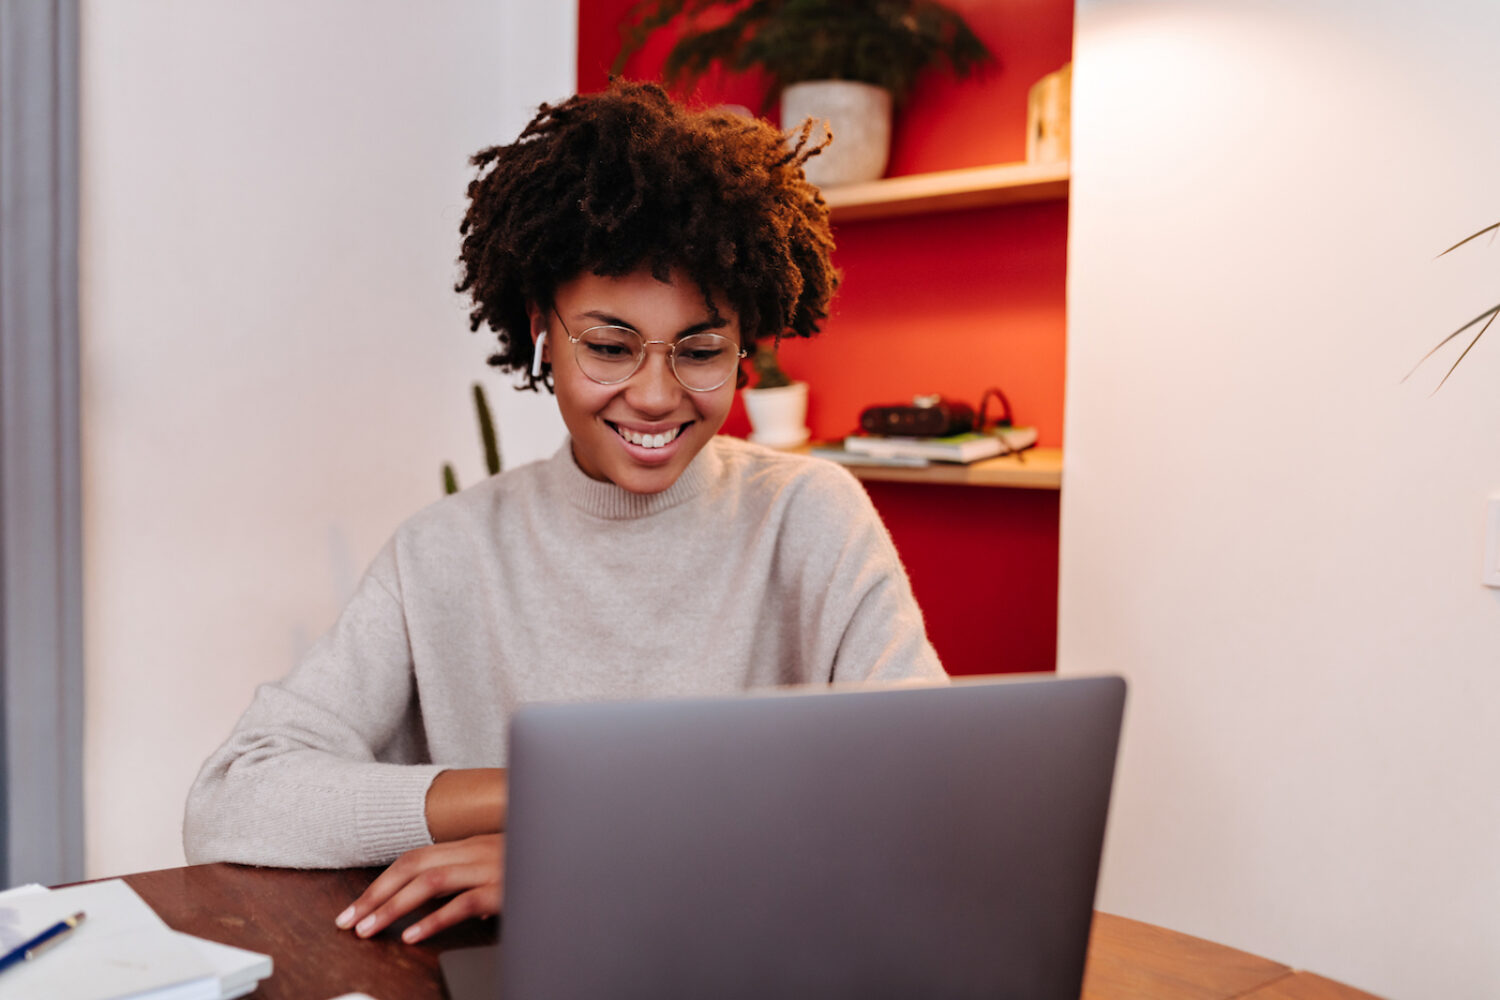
(487, 437)
(487, 430)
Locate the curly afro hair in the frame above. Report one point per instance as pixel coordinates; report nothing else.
(615, 181)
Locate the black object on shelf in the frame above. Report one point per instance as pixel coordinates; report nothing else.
(925, 416)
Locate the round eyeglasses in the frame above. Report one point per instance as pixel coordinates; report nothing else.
(701, 362)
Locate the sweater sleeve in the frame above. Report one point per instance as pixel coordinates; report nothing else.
(322, 770)
(867, 621)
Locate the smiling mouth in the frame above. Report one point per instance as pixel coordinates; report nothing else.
(648, 441)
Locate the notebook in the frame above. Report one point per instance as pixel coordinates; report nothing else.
(118, 923)
(122, 949)
(915, 842)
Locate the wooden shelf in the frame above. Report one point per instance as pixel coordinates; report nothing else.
(949, 191)
(1034, 469)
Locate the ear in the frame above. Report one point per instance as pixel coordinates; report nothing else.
(538, 317)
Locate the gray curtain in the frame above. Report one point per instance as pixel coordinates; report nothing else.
(41, 661)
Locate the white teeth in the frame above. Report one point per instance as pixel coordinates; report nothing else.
(649, 440)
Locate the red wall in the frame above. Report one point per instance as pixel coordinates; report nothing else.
(943, 303)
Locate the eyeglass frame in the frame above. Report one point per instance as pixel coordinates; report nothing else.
(670, 345)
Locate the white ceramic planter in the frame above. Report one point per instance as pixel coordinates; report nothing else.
(778, 417)
(859, 115)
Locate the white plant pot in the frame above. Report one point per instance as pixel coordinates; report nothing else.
(778, 417)
(858, 114)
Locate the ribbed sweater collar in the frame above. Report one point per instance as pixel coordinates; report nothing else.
(608, 501)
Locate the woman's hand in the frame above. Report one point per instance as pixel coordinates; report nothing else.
(469, 870)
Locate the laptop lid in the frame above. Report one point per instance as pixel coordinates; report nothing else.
(937, 842)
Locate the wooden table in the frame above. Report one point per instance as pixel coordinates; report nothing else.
(289, 916)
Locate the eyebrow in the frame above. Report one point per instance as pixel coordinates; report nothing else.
(706, 326)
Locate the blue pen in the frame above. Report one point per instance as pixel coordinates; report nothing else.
(55, 934)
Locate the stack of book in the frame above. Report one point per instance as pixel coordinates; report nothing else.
(914, 452)
(119, 948)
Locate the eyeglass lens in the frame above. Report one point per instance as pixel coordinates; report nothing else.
(611, 354)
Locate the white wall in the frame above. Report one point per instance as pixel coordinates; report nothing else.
(1277, 543)
(275, 364)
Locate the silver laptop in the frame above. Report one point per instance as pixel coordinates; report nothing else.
(934, 842)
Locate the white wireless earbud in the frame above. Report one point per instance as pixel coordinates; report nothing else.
(536, 358)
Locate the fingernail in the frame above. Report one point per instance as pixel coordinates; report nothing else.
(410, 934)
(343, 920)
(365, 926)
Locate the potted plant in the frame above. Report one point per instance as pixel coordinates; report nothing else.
(847, 62)
(776, 405)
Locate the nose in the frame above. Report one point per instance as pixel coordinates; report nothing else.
(654, 389)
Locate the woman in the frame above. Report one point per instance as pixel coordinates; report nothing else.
(628, 253)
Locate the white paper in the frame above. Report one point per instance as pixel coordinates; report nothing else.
(239, 970)
(122, 949)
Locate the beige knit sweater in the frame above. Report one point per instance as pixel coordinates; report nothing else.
(755, 568)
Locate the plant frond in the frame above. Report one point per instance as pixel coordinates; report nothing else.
(1487, 317)
(648, 16)
(487, 430)
(1466, 239)
(1493, 312)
